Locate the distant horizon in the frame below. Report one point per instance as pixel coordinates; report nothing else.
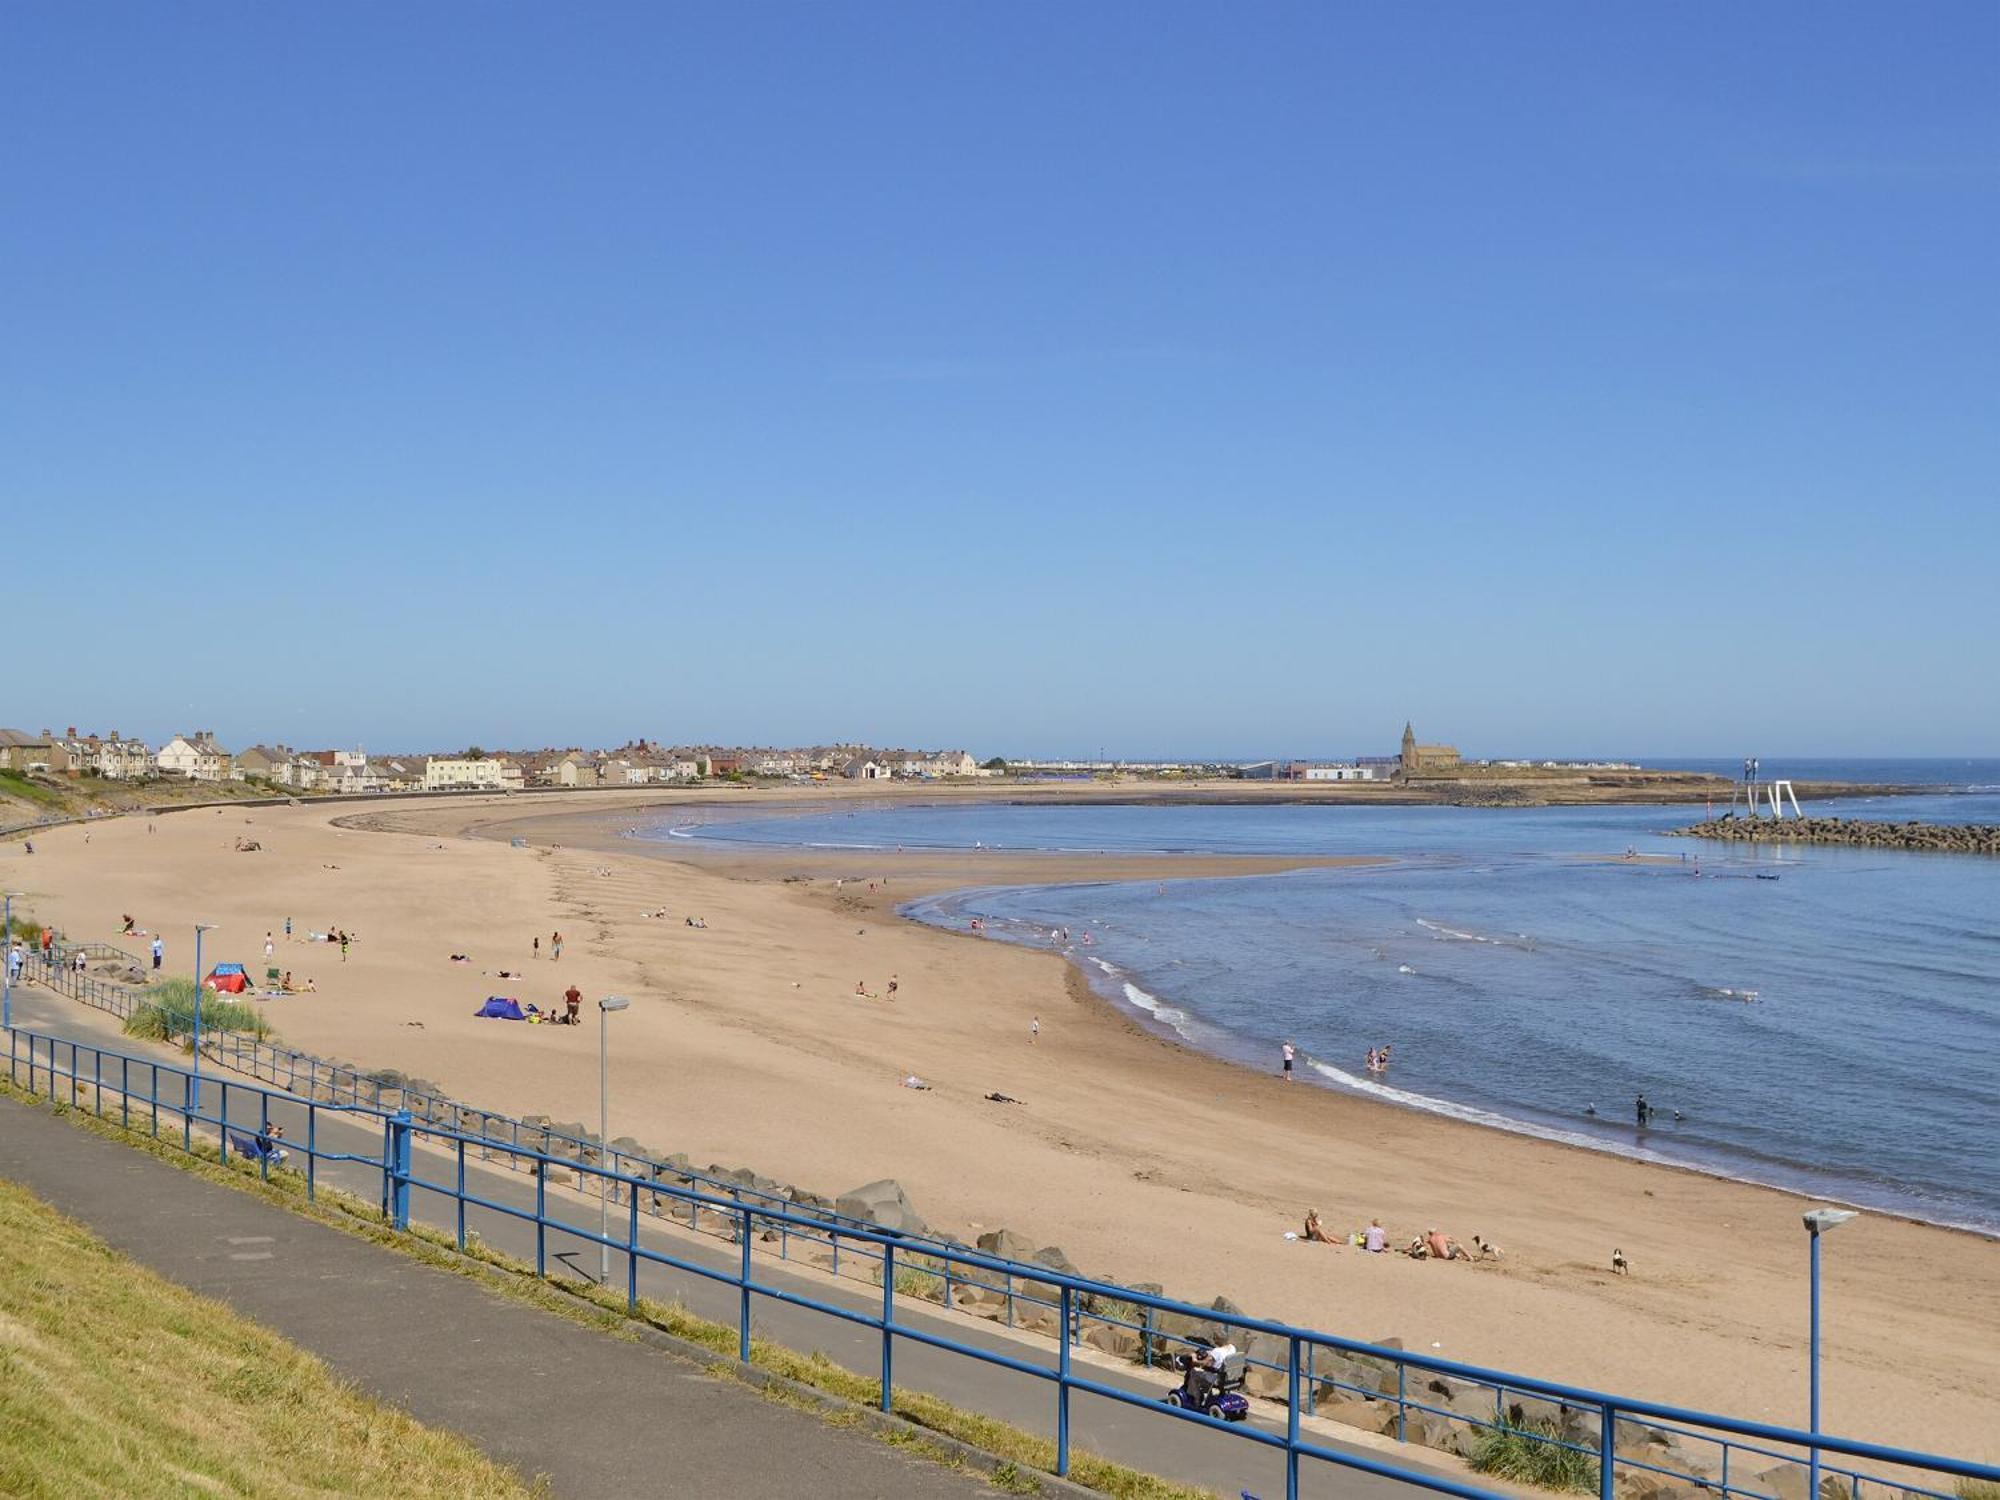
(395, 745)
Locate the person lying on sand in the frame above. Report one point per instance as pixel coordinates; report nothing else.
(1435, 1244)
(1315, 1232)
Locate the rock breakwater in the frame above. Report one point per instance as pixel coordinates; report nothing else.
(1943, 838)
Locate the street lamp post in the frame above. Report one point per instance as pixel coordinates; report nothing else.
(199, 929)
(604, 1009)
(1818, 1221)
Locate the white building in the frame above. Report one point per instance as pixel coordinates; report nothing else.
(454, 775)
(1334, 771)
(197, 757)
(865, 770)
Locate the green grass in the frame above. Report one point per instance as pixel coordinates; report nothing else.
(14, 784)
(117, 1382)
(26, 928)
(1533, 1455)
(1976, 1489)
(165, 1013)
(1020, 1453)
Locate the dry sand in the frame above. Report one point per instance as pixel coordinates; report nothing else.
(746, 1044)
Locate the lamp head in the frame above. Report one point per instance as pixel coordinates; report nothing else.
(613, 1002)
(1819, 1220)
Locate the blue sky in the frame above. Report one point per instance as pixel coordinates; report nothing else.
(1036, 378)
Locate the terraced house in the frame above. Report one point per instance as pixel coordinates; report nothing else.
(197, 757)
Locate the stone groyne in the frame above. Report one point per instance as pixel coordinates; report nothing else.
(1943, 838)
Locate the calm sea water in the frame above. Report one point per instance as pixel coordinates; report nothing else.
(1834, 1030)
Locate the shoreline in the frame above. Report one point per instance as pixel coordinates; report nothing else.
(943, 873)
(1146, 1160)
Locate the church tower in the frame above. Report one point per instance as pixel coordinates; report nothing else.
(1409, 748)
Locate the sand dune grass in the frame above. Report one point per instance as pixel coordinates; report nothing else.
(116, 1382)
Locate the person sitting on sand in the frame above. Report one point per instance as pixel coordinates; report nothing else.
(1315, 1231)
(310, 987)
(285, 983)
(1375, 1239)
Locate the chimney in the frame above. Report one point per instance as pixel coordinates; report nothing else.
(72, 733)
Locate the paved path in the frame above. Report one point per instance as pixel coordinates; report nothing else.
(599, 1416)
(1142, 1436)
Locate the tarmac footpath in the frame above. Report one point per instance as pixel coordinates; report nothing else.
(599, 1416)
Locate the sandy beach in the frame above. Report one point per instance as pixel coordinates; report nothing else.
(748, 1044)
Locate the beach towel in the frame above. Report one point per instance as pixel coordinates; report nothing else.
(502, 1008)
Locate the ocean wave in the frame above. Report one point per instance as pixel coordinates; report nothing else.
(1469, 1113)
(1441, 933)
(1728, 992)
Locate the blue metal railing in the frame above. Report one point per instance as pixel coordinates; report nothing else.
(58, 1067)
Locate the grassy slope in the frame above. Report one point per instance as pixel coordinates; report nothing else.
(116, 1382)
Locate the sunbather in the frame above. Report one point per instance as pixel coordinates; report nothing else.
(1314, 1231)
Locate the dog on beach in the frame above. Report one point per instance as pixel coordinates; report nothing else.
(1620, 1266)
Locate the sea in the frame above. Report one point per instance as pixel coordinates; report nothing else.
(1820, 1019)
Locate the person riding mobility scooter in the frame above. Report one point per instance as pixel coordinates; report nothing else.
(1211, 1381)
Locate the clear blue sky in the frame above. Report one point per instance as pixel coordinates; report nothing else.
(1027, 377)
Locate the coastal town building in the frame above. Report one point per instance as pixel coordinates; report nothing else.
(1306, 770)
(1426, 760)
(446, 774)
(110, 756)
(197, 757)
(865, 770)
(42, 753)
(265, 763)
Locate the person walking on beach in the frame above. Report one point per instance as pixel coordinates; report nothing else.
(269, 947)
(572, 997)
(159, 953)
(288, 929)
(537, 949)
(343, 945)
(555, 947)
(1289, 1052)
(1034, 1031)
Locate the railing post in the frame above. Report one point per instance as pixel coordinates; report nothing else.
(743, 1308)
(1292, 1422)
(1062, 1386)
(631, 1259)
(222, 1130)
(888, 1319)
(461, 1195)
(1402, 1398)
(1146, 1322)
(312, 1152)
(97, 1082)
(125, 1092)
(541, 1216)
(399, 1163)
(1607, 1452)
